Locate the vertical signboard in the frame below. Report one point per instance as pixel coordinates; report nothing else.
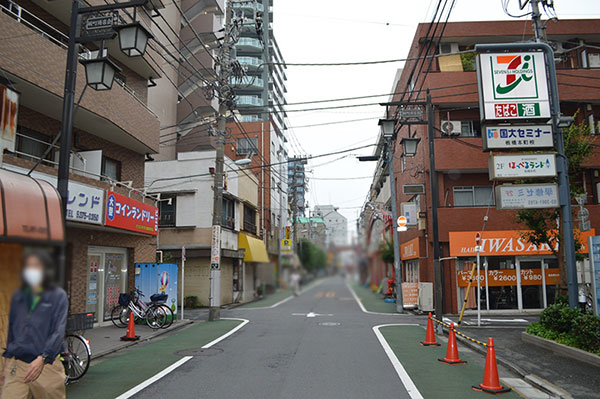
(215, 248)
(8, 119)
(409, 211)
(594, 246)
(513, 86)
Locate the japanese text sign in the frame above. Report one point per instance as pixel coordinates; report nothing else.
(527, 196)
(505, 243)
(513, 86)
(508, 167)
(129, 214)
(508, 277)
(410, 249)
(517, 136)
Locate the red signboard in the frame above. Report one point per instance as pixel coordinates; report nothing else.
(129, 214)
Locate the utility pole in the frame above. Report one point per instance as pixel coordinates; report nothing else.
(437, 264)
(397, 271)
(215, 263)
(567, 245)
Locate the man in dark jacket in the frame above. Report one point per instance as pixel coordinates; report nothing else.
(36, 332)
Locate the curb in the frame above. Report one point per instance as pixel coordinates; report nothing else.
(175, 327)
(562, 350)
(538, 382)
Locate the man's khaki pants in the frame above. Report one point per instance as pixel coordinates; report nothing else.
(49, 385)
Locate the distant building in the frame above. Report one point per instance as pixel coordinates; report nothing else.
(312, 229)
(335, 222)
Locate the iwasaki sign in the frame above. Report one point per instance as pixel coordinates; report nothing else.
(527, 196)
(517, 136)
(513, 86)
(517, 166)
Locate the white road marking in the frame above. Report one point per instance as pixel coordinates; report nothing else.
(311, 314)
(505, 320)
(180, 362)
(302, 291)
(357, 299)
(408, 383)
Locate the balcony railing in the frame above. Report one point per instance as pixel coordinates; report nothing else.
(250, 101)
(47, 31)
(249, 43)
(249, 227)
(250, 61)
(249, 6)
(248, 82)
(228, 222)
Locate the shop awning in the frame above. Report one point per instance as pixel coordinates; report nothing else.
(29, 209)
(256, 251)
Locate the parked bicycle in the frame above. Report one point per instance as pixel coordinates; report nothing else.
(155, 315)
(77, 354)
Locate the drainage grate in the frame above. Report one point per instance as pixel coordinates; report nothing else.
(199, 352)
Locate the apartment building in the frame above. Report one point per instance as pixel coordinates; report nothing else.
(111, 224)
(186, 209)
(466, 193)
(312, 229)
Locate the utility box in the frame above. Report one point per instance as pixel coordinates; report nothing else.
(426, 297)
(158, 278)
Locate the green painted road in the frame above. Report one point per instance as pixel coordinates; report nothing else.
(114, 376)
(432, 378)
(269, 300)
(372, 301)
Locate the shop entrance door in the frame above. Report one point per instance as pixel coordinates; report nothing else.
(531, 284)
(106, 279)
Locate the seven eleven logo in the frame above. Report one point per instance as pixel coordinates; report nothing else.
(514, 76)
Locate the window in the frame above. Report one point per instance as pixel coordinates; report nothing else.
(249, 219)
(167, 210)
(247, 146)
(473, 196)
(470, 129)
(228, 213)
(32, 143)
(111, 169)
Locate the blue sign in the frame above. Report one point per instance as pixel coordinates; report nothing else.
(110, 207)
(594, 245)
(158, 278)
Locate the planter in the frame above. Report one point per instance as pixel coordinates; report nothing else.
(563, 350)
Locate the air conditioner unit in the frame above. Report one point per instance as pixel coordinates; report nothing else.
(450, 128)
(426, 297)
(447, 48)
(594, 60)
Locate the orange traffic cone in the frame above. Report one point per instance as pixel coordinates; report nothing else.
(130, 336)
(452, 351)
(491, 382)
(430, 335)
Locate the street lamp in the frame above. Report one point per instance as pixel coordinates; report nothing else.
(387, 127)
(100, 73)
(409, 146)
(133, 39)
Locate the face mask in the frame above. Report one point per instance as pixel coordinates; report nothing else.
(33, 277)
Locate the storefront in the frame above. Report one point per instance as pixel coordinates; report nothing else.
(515, 274)
(255, 254)
(410, 254)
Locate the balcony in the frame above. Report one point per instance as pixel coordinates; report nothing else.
(195, 7)
(201, 26)
(34, 57)
(250, 227)
(249, 44)
(248, 83)
(248, 6)
(250, 101)
(251, 63)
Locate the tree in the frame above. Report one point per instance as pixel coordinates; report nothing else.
(542, 223)
(386, 250)
(311, 256)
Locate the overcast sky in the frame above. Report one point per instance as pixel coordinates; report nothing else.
(351, 31)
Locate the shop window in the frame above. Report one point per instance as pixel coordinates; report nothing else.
(228, 213)
(111, 169)
(411, 271)
(32, 145)
(465, 196)
(167, 211)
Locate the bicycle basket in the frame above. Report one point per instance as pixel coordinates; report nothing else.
(80, 321)
(159, 298)
(124, 299)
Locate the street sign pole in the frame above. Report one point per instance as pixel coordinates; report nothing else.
(478, 249)
(182, 282)
(397, 270)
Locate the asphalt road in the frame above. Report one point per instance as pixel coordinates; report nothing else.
(318, 345)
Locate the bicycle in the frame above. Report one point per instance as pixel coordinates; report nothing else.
(155, 315)
(161, 300)
(77, 354)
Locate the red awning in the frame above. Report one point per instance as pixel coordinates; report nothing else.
(29, 209)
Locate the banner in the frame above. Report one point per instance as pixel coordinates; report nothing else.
(126, 213)
(508, 277)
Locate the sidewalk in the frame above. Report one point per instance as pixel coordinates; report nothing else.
(372, 302)
(106, 340)
(579, 379)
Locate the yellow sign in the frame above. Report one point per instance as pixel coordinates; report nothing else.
(286, 245)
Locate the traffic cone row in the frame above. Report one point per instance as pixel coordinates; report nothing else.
(491, 381)
(130, 335)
